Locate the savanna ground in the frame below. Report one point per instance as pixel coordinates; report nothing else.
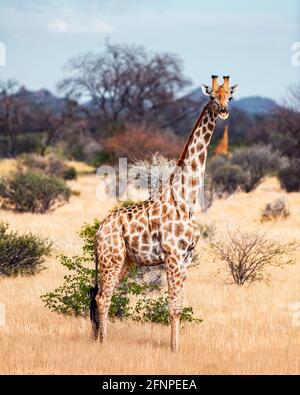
(246, 330)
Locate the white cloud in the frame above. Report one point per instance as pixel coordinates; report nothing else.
(64, 26)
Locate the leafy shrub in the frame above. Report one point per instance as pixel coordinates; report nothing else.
(50, 165)
(247, 255)
(101, 158)
(33, 192)
(289, 176)
(256, 162)
(73, 296)
(26, 142)
(21, 254)
(275, 210)
(157, 310)
(228, 178)
(245, 169)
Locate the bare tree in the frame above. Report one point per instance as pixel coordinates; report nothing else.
(124, 83)
(56, 125)
(247, 255)
(12, 113)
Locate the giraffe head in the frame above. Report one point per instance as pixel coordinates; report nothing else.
(220, 95)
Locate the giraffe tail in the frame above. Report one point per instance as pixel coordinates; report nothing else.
(93, 293)
(93, 306)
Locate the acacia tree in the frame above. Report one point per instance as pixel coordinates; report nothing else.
(12, 113)
(56, 125)
(124, 83)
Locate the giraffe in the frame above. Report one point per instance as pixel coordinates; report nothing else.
(222, 147)
(162, 229)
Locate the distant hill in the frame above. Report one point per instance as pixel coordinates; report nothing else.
(255, 104)
(251, 105)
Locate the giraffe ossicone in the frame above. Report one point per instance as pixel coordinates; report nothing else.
(162, 229)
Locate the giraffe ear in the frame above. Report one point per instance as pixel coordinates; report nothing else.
(206, 90)
(233, 90)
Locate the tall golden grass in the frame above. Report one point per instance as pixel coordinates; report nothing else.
(246, 330)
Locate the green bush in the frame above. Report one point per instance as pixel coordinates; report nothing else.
(50, 165)
(26, 142)
(33, 192)
(289, 176)
(135, 297)
(101, 158)
(21, 254)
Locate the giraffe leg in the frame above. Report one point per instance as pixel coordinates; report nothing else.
(176, 278)
(109, 281)
(125, 269)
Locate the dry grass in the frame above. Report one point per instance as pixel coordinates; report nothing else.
(245, 329)
(7, 166)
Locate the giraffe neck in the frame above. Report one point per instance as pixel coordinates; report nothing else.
(187, 180)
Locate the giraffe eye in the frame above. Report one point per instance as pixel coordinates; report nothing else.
(211, 97)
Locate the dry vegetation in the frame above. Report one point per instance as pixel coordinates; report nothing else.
(245, 329)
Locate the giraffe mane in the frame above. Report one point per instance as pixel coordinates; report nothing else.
(185, 148)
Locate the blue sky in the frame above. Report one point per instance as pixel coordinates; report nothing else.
(250, 39)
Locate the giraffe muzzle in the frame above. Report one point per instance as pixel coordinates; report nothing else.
(223, 113)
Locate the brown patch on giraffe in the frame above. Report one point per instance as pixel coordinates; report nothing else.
(135, 242)
(183, 179)
(210, 126)
(145, 237)
(182, 244)
(179, 228)
(143, 221)
(164, 209)
(199, 147)
(133, 227)
(156, 211)
(202, 157)
(167, 249)
(155, 222)
(171, 215)
(188, 234)
(207, 137)
(125, 227)
(194, 165)
(170, 227)
(193, 182)
(182, 206)
(140, 228)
